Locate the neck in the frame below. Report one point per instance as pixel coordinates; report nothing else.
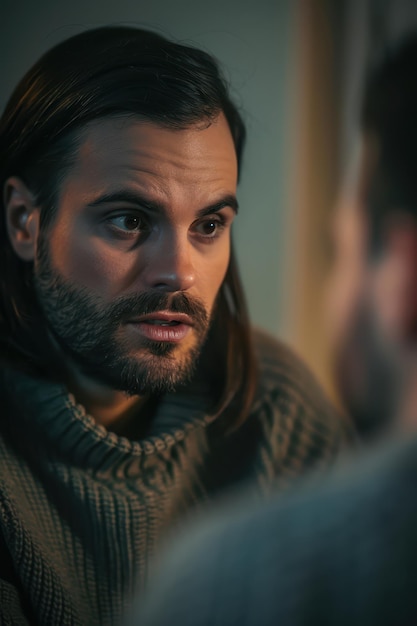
(112, 409)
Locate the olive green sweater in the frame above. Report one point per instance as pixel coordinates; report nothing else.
(82, 510)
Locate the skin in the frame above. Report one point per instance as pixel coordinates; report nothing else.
(372, 309)
(143, 209)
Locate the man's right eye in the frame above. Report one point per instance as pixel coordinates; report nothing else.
(128, 223)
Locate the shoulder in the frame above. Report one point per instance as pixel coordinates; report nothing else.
(354, 529)
(330, 551)
(295, 411)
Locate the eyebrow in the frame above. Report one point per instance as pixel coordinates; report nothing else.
(229, 200)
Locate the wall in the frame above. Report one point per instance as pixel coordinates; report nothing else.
(252, 39)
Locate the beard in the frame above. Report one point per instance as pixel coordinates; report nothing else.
(90, 333)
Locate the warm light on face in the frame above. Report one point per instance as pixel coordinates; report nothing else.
(143, 226)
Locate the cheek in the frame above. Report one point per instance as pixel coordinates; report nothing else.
(212, 271)
(90, 263)
(390, 290)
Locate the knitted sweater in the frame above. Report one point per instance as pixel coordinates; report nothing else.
(82, 510)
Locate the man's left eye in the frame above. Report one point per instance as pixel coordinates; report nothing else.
(209, 228)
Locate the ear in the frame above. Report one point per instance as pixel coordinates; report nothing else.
(395, 280)
(22, 218)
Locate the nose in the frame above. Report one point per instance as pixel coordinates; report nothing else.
(170, 264)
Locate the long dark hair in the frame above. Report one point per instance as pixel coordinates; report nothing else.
(100, 73)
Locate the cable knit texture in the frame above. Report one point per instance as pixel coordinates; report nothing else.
(82, 510)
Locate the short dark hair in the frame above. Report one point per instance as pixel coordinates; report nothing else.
(389, 114)
(112, 71)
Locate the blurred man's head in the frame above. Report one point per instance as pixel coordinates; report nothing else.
(374, 295)
(119, 159)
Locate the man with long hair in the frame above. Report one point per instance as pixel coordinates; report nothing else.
(132, 385)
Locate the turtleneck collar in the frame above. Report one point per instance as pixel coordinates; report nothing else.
(46, 413)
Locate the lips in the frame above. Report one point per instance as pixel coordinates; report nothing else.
(164, 317)
(161, 323)
(163, 326)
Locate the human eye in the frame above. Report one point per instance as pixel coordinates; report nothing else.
(128, 223)
(210, 227)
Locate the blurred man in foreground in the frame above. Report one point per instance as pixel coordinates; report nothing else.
(341, 551)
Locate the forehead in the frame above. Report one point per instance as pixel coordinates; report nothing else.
(131, 151)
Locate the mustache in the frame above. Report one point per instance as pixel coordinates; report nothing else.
(153, 301)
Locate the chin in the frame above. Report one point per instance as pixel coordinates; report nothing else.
(157, 373)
